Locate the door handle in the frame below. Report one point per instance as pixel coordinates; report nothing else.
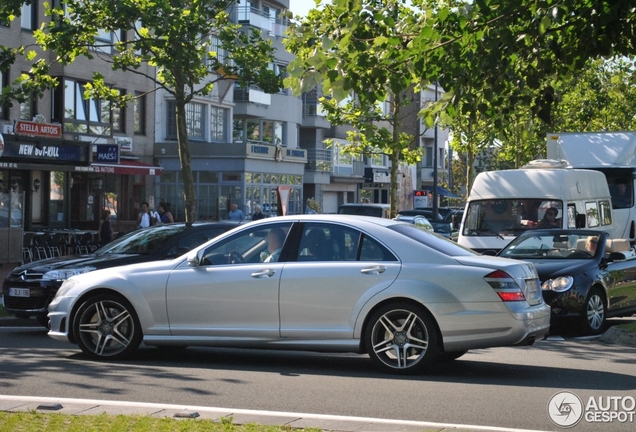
(373, 270)
(263, 273)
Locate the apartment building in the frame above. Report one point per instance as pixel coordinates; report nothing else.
(64, 158)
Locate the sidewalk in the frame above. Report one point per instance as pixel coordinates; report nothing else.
(239, 416)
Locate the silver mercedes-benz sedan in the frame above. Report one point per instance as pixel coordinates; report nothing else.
(334, 283)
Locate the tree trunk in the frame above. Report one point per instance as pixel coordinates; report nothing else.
(185, 158)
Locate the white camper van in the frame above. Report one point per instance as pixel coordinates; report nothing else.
(613, 154)
(503, 204)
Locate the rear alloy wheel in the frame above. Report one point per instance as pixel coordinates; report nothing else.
(402, 338)
(594, 312)
(106, 327)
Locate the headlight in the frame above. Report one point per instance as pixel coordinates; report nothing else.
(66, 273)
(66, 287)
(559, 284)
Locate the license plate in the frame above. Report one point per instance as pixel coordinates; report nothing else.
(19, 292)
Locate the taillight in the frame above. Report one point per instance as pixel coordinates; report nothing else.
(505, 286)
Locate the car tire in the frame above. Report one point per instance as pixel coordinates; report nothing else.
(594, 312)
(106, 327)
(402, 338)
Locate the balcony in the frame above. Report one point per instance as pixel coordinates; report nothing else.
(257, 18)
(319, 160)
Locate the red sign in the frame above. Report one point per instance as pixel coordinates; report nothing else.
(31, 128)
(421, 193)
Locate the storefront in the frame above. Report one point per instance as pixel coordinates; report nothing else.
(66, 184)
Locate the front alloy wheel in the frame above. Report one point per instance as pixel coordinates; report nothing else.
(402, 338)
(106, 327)
(594, 319)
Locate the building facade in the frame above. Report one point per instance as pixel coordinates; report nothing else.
(65, 158)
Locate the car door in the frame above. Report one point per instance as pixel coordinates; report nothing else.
(322, 292)
(621, 284)
(233, 293)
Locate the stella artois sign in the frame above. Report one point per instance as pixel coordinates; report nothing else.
(39, 129)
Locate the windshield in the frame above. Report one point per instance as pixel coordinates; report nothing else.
(143, 241)
(550, 246)
(511, 217)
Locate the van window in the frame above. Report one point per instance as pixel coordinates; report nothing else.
(591, 211)
(571, 215)
(510, 216)
(606, 212)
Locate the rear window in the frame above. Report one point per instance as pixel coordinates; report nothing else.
(433, 241)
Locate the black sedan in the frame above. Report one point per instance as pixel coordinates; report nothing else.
(29, 288)
(584, 275)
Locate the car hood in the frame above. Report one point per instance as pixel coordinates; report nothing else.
(549, 269)
(78, 261)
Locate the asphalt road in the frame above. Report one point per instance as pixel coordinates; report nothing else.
(502, 387)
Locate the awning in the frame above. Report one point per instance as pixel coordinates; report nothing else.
(443, 192)
(130, 167)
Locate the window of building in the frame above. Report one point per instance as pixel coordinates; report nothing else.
(139, 113)
(92, 116)
(221, 54)
(29, 16)
(195, 120)
(119, 115)
(266, 131)
(218, 119)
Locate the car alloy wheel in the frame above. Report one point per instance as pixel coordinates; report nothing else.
(106, 327)
(595, 313)
(402, 338)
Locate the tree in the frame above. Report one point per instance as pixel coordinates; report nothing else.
(176, 37)
(349, 48)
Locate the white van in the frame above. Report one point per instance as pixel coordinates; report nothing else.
(503, 204)
(613, 154)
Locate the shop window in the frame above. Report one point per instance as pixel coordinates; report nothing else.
(56, 197)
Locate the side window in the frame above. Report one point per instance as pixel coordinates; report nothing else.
(606, 212)
(371, 250)
(571, 216)
(258, 244)
(328, 242)
(591, 211)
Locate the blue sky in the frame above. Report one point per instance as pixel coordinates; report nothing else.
(301, 7)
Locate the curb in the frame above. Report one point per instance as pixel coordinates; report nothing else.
(618, 336)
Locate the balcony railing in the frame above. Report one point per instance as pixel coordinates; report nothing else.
(319, 160)
(257, 18)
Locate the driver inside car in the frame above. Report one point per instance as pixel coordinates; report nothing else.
(275, 239)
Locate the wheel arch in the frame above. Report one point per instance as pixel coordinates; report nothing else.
(92, 293)
(383, 303)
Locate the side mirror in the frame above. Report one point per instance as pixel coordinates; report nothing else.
(194, 258)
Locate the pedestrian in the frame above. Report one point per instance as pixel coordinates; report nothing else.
(235, 214)
(105, 234)
(257, 213)
(165, 216)
(146, 217)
